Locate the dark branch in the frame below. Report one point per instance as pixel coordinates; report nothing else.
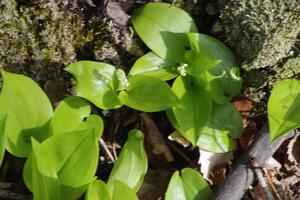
(242, 175)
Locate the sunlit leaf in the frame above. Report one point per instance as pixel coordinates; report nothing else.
(93, 122)
(162, 27)
(224, 82)
(131, 165)
(195, 107)
(188, 185)
(98, 191)
(45, 184)
(148, 94)
(74, 156)
(96, 82)
(218, 63)
(123, 192)
(69, 114)
(28, 110)
(224, 125)
(152, 65)
(204, 53)
(284, 107)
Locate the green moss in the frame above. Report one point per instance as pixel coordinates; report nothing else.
(262, 32)
(265, 37)
(39, 38)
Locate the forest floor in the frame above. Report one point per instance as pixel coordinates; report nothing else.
(39, 38)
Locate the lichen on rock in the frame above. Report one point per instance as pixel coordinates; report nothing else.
(263, 32)
(265, 38)
(39, 38)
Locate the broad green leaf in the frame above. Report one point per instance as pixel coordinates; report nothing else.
(207, 46)
(28, 108)
(148, 94)
(2, 136)
(152, 65)
(284, 107)
(123, 192)
(96, 82)
(162, 27)
(67, 151)
(93, 122)
(222, 74)
(215, 140)
(224, 82)
(226, 117)
(98, 191)
(175, 189)
(73, 193)
(45, 183)
(66, 192)
(225, 123)
(132, 164)
(195, 107)
(27, 173)
(69, 114)
(204, 53)
(188, 185)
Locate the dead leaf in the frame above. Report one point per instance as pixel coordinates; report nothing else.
(155, 184)
(259, 193)
(218, 174)
(208, 160)
(294, 150)
(175, 136)
(243, 105)
(272, 163)
(155, 138)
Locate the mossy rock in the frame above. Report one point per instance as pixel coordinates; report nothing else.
(39, 38)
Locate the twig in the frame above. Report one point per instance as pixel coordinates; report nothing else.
(261, 179)
(179, 152)
(271, 184)
(242, 175)
(114, 145)
(103, 145)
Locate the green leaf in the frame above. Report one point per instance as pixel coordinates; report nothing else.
(131, 165)
(93, 122)
(73, 193)
(69, 114)
(3, 118)
(45, 184)
(28, 108)
(195, 107)
(148, 94)
(225, 123)
(204, 53)
(98, 191)
(96, 82)
(219, 62)
(152, 65)
(123, 192)
(189, 185)
(162, 27)
(284, 107)
(67, 151)
(224, 82)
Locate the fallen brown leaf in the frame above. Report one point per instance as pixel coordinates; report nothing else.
(154, 141)
(155, 184)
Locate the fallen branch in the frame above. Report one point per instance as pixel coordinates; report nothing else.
(242, 175)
